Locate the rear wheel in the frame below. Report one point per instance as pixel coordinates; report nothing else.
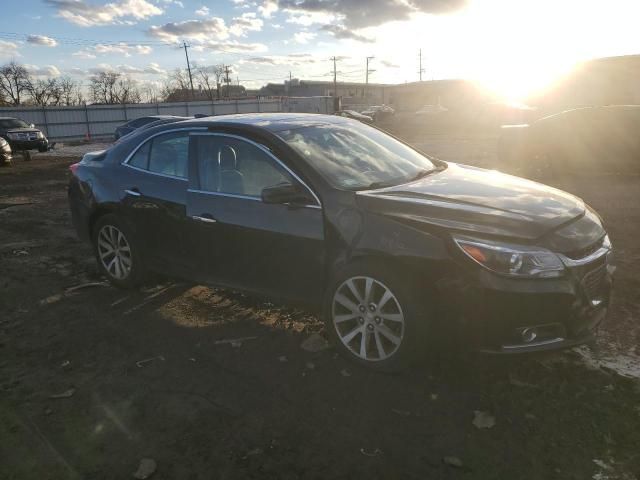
(117, 253)
(373, 317)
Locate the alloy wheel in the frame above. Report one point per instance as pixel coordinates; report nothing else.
(368, 318)
(114, 252)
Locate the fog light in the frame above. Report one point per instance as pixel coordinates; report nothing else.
(529, 335)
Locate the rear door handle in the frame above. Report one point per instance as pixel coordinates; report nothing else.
(205, 218)
(134, 192)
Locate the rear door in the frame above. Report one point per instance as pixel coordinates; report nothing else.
(238, 240)
(155, 197)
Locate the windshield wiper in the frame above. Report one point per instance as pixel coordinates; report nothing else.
(401, 181)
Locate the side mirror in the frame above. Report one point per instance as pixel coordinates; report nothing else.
(286, 193)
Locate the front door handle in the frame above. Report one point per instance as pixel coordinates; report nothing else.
(205, 218)
(134, 192)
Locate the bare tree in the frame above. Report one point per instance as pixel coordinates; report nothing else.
(43, 91)
(211, 76)
(14, 79)
(177, 86)
(113, 87)
(69, 92)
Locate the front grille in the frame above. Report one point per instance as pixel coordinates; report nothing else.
(594, 282)
(26, 136)
(585, 252)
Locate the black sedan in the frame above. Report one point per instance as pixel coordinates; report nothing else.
(22, 136)
(400, 252)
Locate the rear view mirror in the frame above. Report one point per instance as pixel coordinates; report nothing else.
(286, 193)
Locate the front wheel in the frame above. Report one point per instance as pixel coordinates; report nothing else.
(117, 253)
(374, 318)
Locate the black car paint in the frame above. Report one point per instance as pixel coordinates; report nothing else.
(130, 126)
(290, 251)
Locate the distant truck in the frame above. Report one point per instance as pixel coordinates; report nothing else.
(22, 136)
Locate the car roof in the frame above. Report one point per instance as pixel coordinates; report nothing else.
(270, 121)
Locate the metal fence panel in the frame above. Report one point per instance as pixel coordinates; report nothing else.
(88, 121)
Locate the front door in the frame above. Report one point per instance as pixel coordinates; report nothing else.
(238, 240)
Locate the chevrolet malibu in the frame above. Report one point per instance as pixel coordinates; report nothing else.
(399, 252)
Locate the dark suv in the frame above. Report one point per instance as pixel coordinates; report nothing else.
(22, 135)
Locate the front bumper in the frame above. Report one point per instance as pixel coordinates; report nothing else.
(21, 145)
(499, 315)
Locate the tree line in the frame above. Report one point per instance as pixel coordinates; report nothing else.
(19, 87)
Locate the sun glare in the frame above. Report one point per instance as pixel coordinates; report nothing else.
(513, 48)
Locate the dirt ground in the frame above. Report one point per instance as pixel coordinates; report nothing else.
(147, 374)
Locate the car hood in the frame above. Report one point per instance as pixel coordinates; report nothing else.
(476, 200)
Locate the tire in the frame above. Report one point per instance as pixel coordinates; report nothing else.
(43, 149)
(394, 329)
(125, 267)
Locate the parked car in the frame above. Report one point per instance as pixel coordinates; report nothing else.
(22, 136)
(5, 152)
(355, 115)
(132, 125)
(394, 248)
(155, 123)
(379, 112)
(575, 140)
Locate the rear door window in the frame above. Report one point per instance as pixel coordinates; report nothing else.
(165, 154)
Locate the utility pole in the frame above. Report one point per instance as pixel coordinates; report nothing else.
(420, 69)
(335, 77)
(366, 82)
(188, 67)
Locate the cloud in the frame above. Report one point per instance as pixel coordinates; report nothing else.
(198, 30)
(84, 14)
(8, 49)
(389, 64)
(343, 33)
(231, 47)
(267, 8)
(41, 40)
(84, 54)
(44, 71)
(303, 37)
(357, 14)
(291, 59)
(117, 48)
(151, 69)
(206, 30)
(154, 68)
(245, 23)
(202, 12)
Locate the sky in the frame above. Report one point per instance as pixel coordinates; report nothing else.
(513, 47)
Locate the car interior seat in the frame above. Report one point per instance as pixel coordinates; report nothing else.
(230, 178)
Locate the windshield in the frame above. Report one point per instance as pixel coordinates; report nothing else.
(355, 156)
(12, 123)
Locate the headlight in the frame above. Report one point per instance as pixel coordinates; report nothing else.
(512, 260)
(39, 134)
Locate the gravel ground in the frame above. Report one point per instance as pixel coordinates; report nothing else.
(94, 379)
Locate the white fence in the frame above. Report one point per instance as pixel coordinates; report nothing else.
(91, 121)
